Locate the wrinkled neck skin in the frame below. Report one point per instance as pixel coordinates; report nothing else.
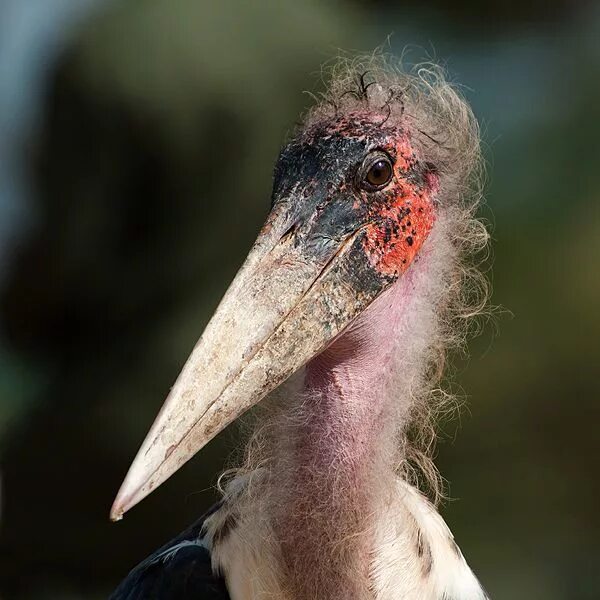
(334, 468)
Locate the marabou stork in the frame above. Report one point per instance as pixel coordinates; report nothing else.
(351, 293)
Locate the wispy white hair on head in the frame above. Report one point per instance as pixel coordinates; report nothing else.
(444, 131)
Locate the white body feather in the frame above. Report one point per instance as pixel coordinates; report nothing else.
(415, 556)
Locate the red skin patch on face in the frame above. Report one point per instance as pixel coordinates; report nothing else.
(400, 225)
(400, 217)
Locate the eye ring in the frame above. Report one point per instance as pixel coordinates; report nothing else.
(376, 171)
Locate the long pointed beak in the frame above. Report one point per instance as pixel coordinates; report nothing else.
(285, 305)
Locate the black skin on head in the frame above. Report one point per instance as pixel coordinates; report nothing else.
(320, 184)
(316, 179)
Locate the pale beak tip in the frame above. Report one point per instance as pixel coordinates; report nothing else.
(124, 501)
(117, 510)
(135, 487)
(114, 517)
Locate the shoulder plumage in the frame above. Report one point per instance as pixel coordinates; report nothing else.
(179, 570)
(417, 556)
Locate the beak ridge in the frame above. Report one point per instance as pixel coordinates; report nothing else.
(280, 310)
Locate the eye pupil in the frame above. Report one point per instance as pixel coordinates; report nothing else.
(379, 173)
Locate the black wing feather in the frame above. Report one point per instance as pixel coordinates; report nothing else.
(181, 574)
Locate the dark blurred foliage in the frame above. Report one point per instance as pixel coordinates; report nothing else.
(150, 177)
(479, 18)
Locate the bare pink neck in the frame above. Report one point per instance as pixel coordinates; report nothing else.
(341, 452)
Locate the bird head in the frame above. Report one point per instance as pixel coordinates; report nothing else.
(356, 194)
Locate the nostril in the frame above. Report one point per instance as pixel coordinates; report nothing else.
(290, 231)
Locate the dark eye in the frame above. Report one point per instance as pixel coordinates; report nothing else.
(377, 171)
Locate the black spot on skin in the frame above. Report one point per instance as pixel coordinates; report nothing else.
(225, 529)
(409, 240)
(387, 234)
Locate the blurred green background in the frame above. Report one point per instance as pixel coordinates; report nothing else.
(136, 145)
